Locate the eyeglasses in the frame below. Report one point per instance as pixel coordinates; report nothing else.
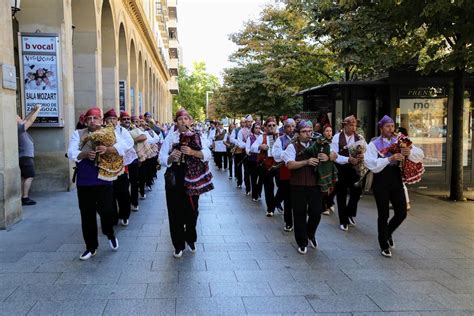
(271, 125)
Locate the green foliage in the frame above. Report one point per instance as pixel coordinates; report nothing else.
(192, 89)
(370, 37)
(276, 57)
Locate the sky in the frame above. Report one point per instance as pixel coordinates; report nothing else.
(204, 26)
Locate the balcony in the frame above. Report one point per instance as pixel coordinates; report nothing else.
(174, 63)
(172, 3)
(174, 43)
(173, 86)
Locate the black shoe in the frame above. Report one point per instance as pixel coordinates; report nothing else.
(352, 221)
(302, 250)
(279, 207)
(27, 201)
(387, 253)
(87, 254)
(313, 243)
(177, 253)
(288, 228)
(113, 243)
(343, 227)
(391, 243)
(192, 246)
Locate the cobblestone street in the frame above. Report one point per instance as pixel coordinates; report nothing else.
(245, 262)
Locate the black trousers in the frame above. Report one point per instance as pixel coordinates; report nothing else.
(182, 215)
(284, 193)
(328, 199)
(238, 165)
(133, 179)
(230, 161)
(142, 176)
(306, 212)
(247, 180)
(220, 159)
(267, 178)
(347, 177)
(121, 198)
(388, 188)
(254, 187)
(92, 200)
(150, 170)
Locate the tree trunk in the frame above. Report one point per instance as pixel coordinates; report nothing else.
(456, 189)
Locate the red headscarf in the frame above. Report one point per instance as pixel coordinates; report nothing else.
(181, 112)
(110, 113)
(94, 111)
(124, 114)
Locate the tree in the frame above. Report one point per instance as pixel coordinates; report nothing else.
(275, 59)
(433, 35)
(192, 89)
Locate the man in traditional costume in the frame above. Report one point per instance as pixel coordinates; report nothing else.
(98, 155)
(139, 138)
(219, 147)
(122, 184)
(283, 175)
(242, 137)
(185, 153)
(237, 153)
(251, 161)
(347, 173)
(264, 146)
(229, 144)
(386, 165)
(305, 192)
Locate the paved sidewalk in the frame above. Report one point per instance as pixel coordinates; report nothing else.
(244, 263)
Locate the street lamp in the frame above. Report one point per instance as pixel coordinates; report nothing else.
(15, 5)
(207, 102)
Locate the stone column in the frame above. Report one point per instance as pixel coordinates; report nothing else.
(10, 189)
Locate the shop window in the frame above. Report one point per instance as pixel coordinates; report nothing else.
(425, 118)
(338, 116)
(365, 115)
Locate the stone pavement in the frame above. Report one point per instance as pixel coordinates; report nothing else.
(245, 263)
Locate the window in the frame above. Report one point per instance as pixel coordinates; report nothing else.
(424, 114)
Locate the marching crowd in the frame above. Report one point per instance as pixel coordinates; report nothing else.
(117, 158)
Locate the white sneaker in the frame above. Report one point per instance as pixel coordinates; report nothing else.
(332, 208)
(124, 222)
(177, 253)
(269, 214)
(134, 208)
(113, 243)
(344, 227)
(143, 197)
(87, 255)
(302, 250)
(326, 212)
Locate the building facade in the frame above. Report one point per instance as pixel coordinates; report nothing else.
(421, 104)
(69, 55)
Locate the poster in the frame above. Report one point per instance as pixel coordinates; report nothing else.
(39, 75)
(122, 95)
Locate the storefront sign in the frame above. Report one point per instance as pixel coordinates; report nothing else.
(428, 92)
(40, 69)
(122, 101)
